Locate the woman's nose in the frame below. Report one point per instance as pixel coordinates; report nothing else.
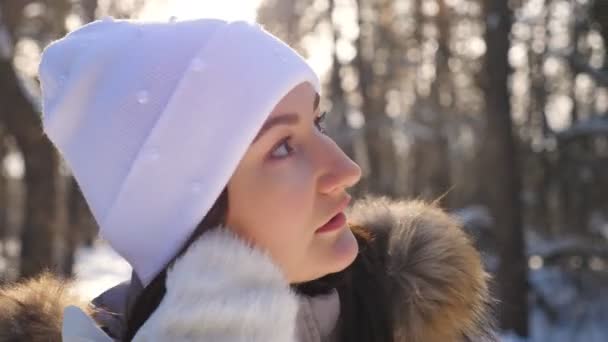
(340, 172)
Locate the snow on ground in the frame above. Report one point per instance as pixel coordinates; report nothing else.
(99, 268)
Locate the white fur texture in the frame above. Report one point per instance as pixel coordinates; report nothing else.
(222, 289)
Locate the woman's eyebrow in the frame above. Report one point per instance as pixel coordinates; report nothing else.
(284, 119)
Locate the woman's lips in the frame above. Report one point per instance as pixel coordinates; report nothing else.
(336, 222)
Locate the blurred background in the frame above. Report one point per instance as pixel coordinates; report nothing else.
(496, 109)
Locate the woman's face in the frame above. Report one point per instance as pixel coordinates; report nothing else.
(291, 181)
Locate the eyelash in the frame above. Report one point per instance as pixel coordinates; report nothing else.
(319, 123)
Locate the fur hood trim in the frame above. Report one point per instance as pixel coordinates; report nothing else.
(437, 284)
(33, 310)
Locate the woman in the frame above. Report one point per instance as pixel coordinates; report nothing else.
(199, 146)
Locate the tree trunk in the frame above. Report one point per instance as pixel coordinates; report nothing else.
(440, 176)
(377, 129)
(22, 121)
(336, 92)
(89, 7)
(503, 179)
(599, 12)
(82, 228)
(3, 208)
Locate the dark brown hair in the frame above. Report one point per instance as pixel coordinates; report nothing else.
(364, 314)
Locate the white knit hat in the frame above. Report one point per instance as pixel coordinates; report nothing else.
(153, 118)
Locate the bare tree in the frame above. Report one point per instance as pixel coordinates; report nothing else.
(45, 223)
(502, 173)
(374, 46)
(22, 120)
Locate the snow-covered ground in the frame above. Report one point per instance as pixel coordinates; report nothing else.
(99, 268)
(581, 315)
(578, 303)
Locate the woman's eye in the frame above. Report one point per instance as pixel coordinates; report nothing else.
(320, 122)
(283, 150)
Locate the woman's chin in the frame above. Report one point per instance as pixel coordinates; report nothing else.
(344, 250)
(334, 255)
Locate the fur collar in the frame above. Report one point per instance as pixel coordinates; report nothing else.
(223, 289)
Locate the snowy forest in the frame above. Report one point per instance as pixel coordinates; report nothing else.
(495, 109)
